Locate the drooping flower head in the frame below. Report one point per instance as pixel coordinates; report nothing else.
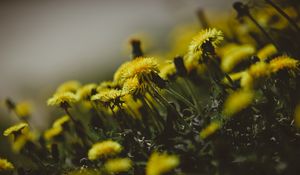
(160, 163)
(64, 99)
(104, 149)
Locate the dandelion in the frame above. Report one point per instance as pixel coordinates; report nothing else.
(53, 132)
(5, 165)
(85, 92)
(118, 165)
(21, 141)
(69, 86)
(104, 149)
(212, 36)
(266, 52)
(284, 62)
(61, 121)
(142, 67)
(237, 101)
(23, 109)
(16, 129)
(63, 100)
(108, 97)
(160, 163)
(107, 85)
(210, 129)
(118, 76)
(133, 86)
(297, 116)
(236, 56)
(259, 69)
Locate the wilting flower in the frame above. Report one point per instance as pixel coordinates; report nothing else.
(85, 92)
(15, 129)
(210, 129)
(284, 62)
(23, 109)
(5, 165)
(104, 149)
(237, 101)
(236, 56)
(160, 163)
(118, 165)
(69, 86)
(64, 99)
(266, 52)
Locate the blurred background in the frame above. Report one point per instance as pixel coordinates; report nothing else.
(44, 43)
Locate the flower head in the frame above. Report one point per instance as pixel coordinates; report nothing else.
(210, 129)
(284, 62)
(64, 99)
(160, 163)
(104, 149)
(118, 76)
(15, 129)
(5, 165)
(237, 101)
(118, 165)
(236, 56)
(259, 70)
(108, 96)
(85, 92)
(133, 86)
(142, 67)
(23, 109)
(61, 121)
(69, 86)
(212, 36)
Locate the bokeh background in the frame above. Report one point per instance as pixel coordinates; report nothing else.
(44, 43)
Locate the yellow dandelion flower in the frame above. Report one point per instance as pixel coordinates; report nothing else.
(266, 52)
(18, 128)
(297, 116)
(118, 165)
(23, 109)
(52, 132)
(259, 70)
(107, 85)
(108, 96)
(210, 129)
(21, 141)
(5, 165)
(62, 99)
(213, 36)
(69, 86)
(104, 149)
(133, 86)
(60, 121)
(237, 101)
(236, 56)
(160, 163)
(85, 92)
(284, 62)
(120, 71)
(140, 67)
(167, 70)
